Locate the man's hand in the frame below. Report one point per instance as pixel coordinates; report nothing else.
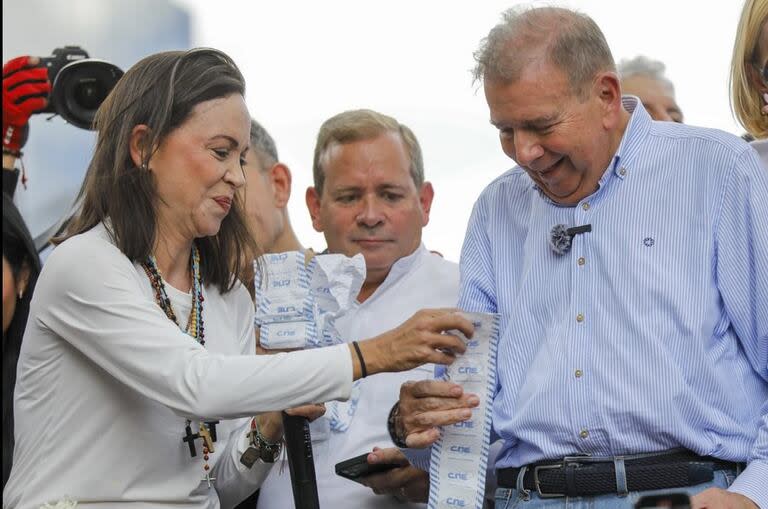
(25, 91)
(406, 483)
(716, 498)
(427, 404)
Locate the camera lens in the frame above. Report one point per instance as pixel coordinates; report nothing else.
(81, 87)
(89, 93)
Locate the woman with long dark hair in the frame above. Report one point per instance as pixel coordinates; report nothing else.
(137, 374)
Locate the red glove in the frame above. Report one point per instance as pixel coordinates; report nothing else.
(25, 91)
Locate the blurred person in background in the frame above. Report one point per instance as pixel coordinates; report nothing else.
(265, 197)
(21, 267)
(749, 74)
(25, 91)
(644, 78)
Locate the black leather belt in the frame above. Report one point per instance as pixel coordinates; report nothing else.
(589, 476)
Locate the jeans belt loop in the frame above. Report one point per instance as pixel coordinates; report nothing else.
(519, 485)
(621, 476)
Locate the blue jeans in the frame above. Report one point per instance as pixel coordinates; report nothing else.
(513, 499)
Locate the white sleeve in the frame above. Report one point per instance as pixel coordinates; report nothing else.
(235, 482)
(89, 295)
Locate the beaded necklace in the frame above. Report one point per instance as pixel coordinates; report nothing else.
(195, 329)
(195, 325)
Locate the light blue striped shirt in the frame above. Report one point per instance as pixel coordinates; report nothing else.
(652, 332)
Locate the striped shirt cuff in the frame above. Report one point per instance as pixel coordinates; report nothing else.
(752, 482)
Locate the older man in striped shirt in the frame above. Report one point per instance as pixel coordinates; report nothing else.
(628, 260)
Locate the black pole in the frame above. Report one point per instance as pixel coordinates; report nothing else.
(298, 445)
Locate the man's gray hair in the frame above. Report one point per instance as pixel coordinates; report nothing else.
(644, 66)
(263, 145)
(571, 41)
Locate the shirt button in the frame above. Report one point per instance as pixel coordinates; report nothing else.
(622, 172)
(585, 205)
(581, 261)
(584, 433)
(578, 373)
(579, 318)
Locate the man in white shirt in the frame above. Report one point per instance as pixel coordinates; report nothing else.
(369, 197)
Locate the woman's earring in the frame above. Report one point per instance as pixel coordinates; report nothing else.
(765, 106)
(21, 294)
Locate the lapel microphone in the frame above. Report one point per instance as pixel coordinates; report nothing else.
(560, 237)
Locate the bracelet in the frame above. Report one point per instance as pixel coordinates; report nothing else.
(394, 414)
(362, 361)
(15, 153)
(268, 452)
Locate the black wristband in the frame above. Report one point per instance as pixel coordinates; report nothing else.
(362, 361)
(394, 413)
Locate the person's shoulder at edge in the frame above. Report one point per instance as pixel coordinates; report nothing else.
(712, 152)
(717, 138)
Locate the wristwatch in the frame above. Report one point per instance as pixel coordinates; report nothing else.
(394, 414)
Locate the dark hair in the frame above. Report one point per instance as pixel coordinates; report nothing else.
(160, 92)
(20, 253)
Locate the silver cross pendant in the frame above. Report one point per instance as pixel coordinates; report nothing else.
(208, 479)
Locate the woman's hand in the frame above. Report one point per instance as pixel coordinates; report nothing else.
(422, 339)
(271, 423)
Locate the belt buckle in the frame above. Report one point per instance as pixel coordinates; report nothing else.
(537, 483)
(576, 459)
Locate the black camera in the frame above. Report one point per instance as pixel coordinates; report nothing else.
(79, 84)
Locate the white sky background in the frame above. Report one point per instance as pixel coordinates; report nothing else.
(305, 61)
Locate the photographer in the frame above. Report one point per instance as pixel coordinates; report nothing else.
(68, 83)
(25, 91)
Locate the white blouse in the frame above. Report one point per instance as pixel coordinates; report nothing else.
(106, 382)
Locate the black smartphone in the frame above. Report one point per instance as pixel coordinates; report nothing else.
(358, 467)
(670, 501)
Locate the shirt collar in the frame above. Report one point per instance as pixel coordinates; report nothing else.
(399, 269)
(634, 136)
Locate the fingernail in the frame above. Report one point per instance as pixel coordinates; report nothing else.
(466, 414)
(456, 391)
(473, 400)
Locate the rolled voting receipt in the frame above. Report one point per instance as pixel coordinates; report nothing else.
(460, 456)
(299, 295)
